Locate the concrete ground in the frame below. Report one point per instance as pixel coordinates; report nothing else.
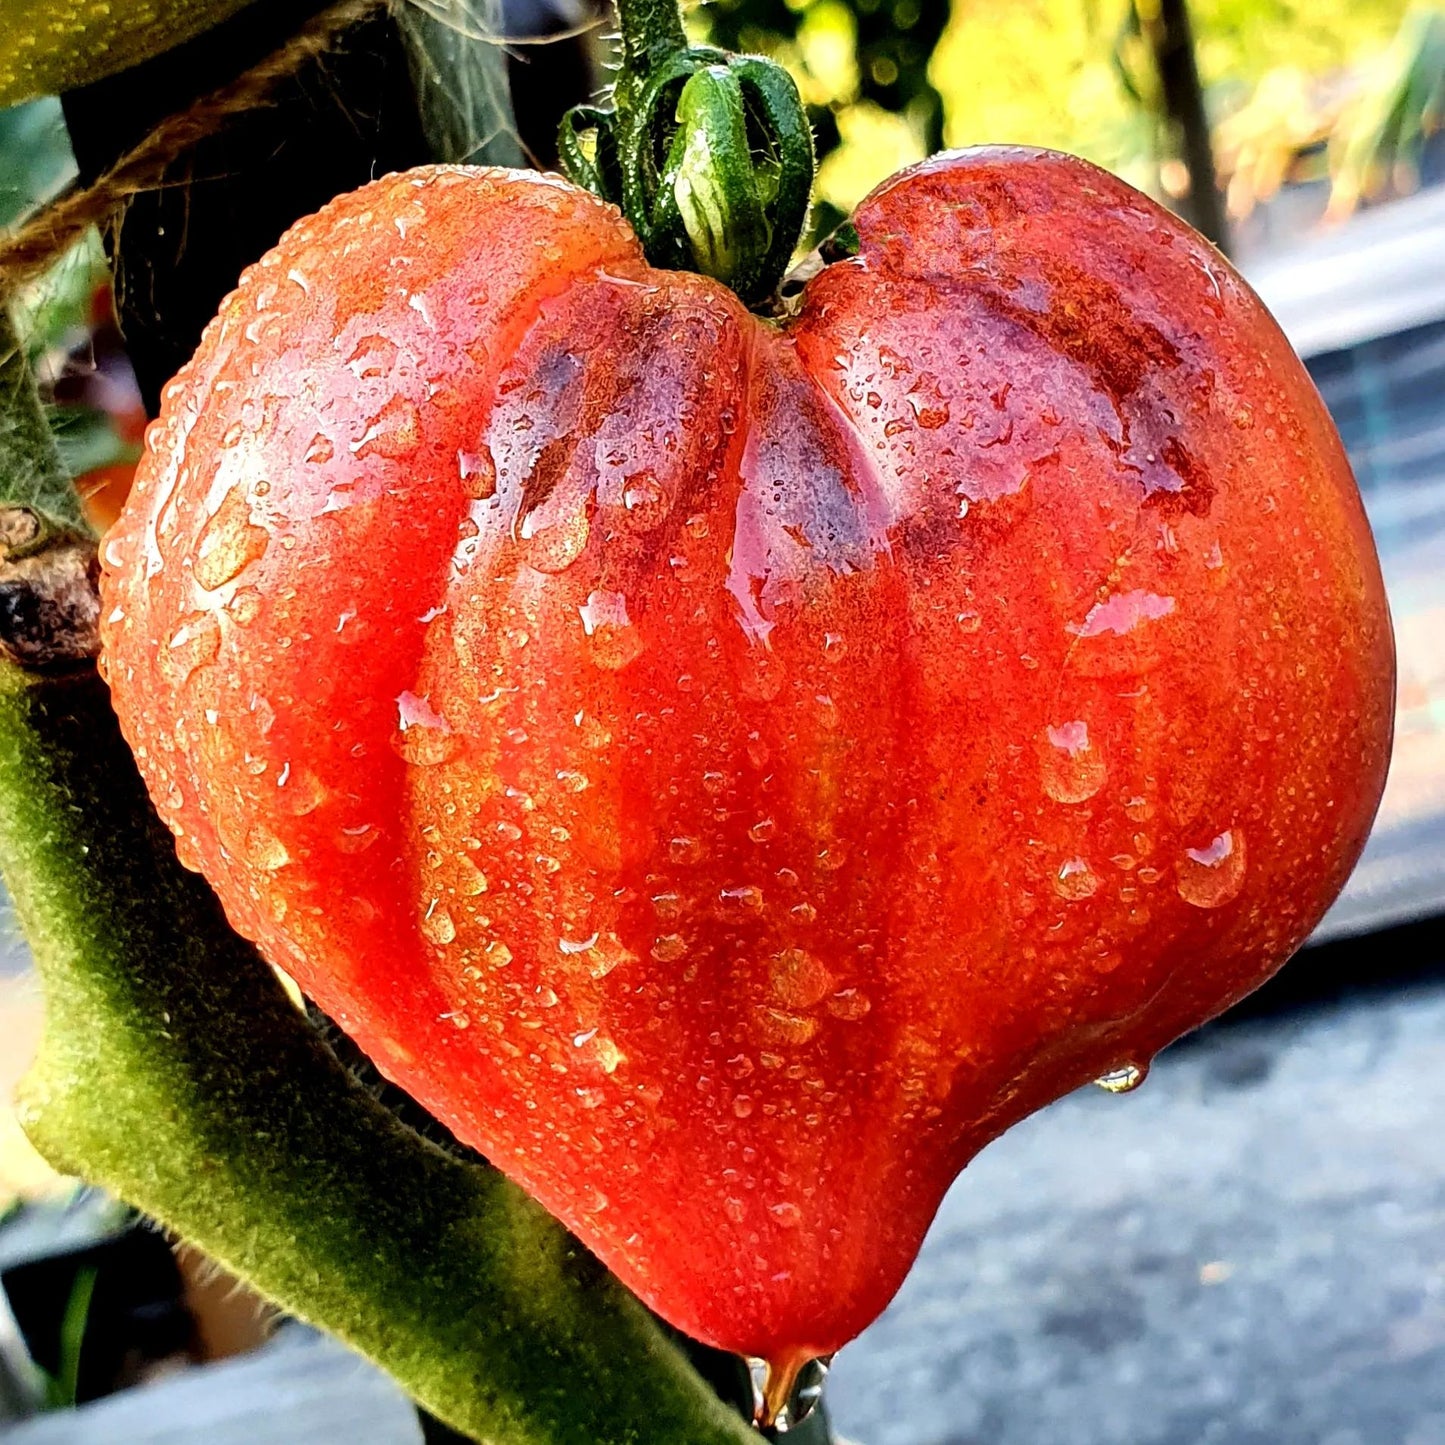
(1250, 1250)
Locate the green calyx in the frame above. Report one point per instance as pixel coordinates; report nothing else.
(708, 155)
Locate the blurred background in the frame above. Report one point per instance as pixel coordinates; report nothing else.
(1253, 1248)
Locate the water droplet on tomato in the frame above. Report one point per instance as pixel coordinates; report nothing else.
(321, 449)
(554, 542)
(685, 850)
(606, 954)
(607, 1054)
(786, 1390)
(372, 357)
(615, 641)
(1138, 808)
(424, 737)
(479, 472)
(746, 896)
(194, 644)
(187, 854)
(798, 980)
(1213, 875)
(1122, 613)
(356, 838)
(1124, 1079)
(244, 607)
(669, 948)
(780, 1026)
(265, 850)
(438, 925)
(667, 906)
(762, 830)
(1075, 880)
(302, 791)
(471, 881)
(849, 1004)
(1072, 768)
(644, 501)
(230, 542)
(395, 431)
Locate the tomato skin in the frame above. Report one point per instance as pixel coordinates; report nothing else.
(731, 773)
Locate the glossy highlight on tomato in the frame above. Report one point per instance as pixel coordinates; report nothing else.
(731, 771)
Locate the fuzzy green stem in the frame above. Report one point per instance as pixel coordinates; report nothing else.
(651, 31)
(174, 1071)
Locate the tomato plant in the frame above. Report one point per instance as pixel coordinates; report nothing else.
(730, 770)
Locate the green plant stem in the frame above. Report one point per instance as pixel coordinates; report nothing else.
(651, 31)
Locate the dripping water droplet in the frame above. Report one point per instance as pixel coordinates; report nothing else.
(1123, 1080)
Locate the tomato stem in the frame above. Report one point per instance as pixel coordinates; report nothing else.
(709, 155)
(651, 33)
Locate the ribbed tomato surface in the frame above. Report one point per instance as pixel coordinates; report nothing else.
(730, 771)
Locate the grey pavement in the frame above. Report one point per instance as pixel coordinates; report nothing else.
(1250, 1249)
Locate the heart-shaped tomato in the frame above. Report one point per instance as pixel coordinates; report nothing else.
(729, 772)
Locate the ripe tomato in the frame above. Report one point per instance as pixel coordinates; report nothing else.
(729, 772)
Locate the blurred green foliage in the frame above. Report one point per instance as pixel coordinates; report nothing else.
(55, 314)
(889, 81)
(1400, 108)
(35, 158)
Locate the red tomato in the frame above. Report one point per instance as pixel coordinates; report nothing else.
(729, 772)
